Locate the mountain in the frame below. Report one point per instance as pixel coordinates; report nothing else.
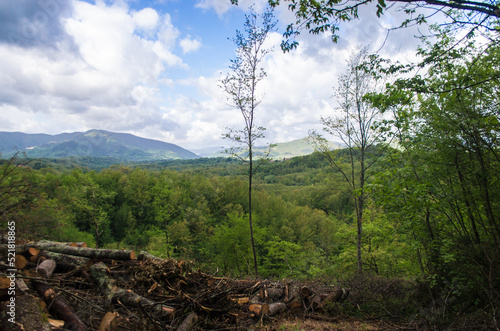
(293, 148)
(94, 143)
(280, 151)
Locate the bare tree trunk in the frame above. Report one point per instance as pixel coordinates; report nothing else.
(250, 215)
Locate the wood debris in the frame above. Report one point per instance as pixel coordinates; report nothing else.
(101, 289)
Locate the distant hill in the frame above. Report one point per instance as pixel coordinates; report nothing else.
(124, 147)
(299, 147)
(293, 148)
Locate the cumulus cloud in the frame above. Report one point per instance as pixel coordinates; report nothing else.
(223, 6)
(104, 70)
(190, 45)
(102, 65)
(146, 19)
(27, 23)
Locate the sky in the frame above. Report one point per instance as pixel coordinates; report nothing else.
(152, 68)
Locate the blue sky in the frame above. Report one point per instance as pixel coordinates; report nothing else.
(151, 68)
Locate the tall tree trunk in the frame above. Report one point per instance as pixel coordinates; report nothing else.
(250, 175)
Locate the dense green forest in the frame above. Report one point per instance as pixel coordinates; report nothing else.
(430, 214)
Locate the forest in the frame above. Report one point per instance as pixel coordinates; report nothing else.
(418, 205)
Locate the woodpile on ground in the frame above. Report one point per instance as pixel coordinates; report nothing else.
(68, 286)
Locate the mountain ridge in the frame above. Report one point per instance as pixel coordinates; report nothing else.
(124, 147)
(94, 143)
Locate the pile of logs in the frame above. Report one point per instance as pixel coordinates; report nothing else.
(82, 288)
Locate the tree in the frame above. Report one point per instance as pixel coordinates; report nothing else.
(327, 15)
(355, 127)
(241, 88)
(444, 183)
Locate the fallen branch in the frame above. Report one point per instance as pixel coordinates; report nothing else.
(59, 307)
(113, 293)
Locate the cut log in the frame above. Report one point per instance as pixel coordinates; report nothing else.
(276, 308)
(114, 293)
(305, 291)
(34, 258)
(259, 309)
(272, 294)
(334, 296)
(59, 307)
(109, 322)
(66, 262)
(93, 253)
(20, 262)
(189, 322)
(33, 251)
(143, 255)
(46, 268)
(28, 315)
(294, 305)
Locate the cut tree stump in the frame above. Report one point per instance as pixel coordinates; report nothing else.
(59, 307)
(114, 293)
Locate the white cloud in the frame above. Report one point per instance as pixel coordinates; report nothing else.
(146, 19)
(107, 77)
(220, 6)
(223, 6)
(189, 45)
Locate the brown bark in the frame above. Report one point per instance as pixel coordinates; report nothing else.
(59, 307)
(93, 253)
(114, 293)
(189, 322)
(46, 268)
